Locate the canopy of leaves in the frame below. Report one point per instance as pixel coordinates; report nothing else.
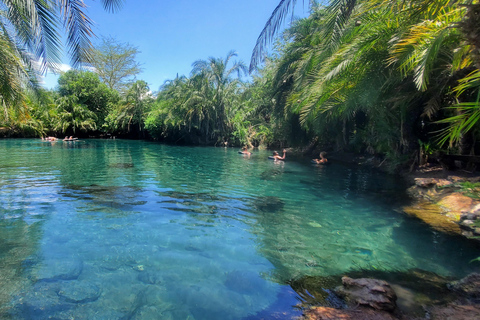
(88, 91)
(115, 63)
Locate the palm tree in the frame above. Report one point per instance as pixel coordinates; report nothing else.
(219, 76)
(35, 25)
(137, 102)
(417, 40)
(30, 33)
(72, 116)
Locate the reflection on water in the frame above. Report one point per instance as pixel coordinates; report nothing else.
(137, 230)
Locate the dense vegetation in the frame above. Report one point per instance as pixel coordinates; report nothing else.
(398, 79)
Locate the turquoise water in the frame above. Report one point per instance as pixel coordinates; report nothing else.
(111, 229)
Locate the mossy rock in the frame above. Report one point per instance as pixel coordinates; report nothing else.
(432, 214)
(456, 203)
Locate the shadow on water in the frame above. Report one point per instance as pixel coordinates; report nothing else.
(451, 253)
(18, 241)
(97, 198)
(351, 180)
(268, 204)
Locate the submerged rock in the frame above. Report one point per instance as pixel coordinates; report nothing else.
(454, 312)
(468, 287)
(269, 204)
(368, 292)
(271, 175)
(151, 312)
(121, 165)
(149, 278)
(42, 302)
(79, 292)
(245, 282)
(59, 269)
(432, 215)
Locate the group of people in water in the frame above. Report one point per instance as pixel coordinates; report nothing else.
(71, 138)
(276, 156)
(67, 138)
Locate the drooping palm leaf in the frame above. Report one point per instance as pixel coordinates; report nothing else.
(272, 26)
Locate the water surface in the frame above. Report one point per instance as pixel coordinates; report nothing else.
(111, 229)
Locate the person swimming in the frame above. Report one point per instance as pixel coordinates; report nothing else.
(245, 151)
(276, 156)
(323, 158)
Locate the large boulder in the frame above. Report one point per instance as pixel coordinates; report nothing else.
(468, 287)
(456, 203)
(368, 292)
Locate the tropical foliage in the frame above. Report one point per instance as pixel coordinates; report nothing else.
(130, 115)
(200, 109)
(115, 63)
(30, 33)
(389, 78)
(358, 73)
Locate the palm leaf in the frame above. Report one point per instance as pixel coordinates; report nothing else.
(269, 31)
(468, 116)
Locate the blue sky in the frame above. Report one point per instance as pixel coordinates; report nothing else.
(171, 35)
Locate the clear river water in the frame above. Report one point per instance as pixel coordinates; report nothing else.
(112, 229)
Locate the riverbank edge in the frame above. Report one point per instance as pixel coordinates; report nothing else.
(447, 202)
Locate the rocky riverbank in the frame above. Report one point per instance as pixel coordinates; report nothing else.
(372, 299)
(449, 202)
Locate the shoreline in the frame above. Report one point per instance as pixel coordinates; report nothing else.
(441, 199)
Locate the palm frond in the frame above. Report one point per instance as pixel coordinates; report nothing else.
(112, 5)
(338, 13)
(79, 30)
(470, 82)
(272, 26)
(468, 116)
(418, 50)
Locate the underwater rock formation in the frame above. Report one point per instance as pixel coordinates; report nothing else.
(121, 165)
(269, 204)
(468, 287)
(79, 291)
(431, 214)
(59, 269)
(368, 292)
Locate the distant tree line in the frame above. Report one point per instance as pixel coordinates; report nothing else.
(397, 79)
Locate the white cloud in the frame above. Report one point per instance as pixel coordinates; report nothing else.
(89, 68)
(64, 67)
